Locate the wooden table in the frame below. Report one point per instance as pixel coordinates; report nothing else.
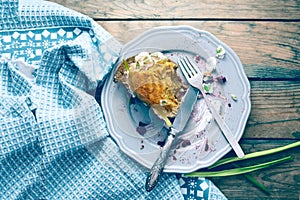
(266, 37)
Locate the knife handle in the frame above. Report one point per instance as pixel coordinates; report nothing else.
(159, 164)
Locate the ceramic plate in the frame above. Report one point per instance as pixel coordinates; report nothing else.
(140, 134)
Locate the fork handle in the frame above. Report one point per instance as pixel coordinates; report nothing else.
(225, 129)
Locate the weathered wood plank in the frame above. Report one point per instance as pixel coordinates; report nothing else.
(283, 181)
(266, 49)
(275, 110)
(173, 9)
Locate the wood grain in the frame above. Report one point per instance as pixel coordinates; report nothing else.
(283, 181)
(275, 110)
(266, 49)
(186, 9)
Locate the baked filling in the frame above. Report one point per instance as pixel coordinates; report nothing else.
(152, 77)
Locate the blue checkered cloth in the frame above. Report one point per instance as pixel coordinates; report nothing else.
(54, 143)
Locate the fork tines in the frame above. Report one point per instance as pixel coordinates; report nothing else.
(188, 68)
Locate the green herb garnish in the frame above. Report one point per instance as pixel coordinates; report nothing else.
(206, 88)
(219, 50)
(234, 97)
(137, 66)
(126, 65)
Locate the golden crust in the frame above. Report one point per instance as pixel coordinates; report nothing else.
(158, 85)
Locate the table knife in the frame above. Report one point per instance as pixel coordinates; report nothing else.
(178, 125)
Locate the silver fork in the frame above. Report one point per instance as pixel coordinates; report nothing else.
(195, 78)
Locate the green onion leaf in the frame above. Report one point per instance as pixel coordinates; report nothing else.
(255, 154)
(240, 170)
(257, 184)
(254, 181)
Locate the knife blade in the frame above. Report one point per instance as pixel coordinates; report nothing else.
(178, 125)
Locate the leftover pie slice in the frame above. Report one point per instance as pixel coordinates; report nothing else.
(152, 77)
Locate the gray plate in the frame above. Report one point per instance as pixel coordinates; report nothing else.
(139, 133)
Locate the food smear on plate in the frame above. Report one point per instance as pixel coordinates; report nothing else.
(153, 78)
